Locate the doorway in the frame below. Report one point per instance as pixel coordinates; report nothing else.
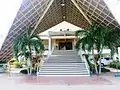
(65, 45)
(68, 45)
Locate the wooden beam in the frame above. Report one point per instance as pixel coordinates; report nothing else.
(74, 2)
(42, 16)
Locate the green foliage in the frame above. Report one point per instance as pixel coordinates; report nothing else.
(25, 44)
(92, 66)
(115, 64)
(17, 64)
(86, 37)
(24, 71)
(12, 61)
(97, 37)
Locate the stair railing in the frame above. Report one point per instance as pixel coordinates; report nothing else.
(83, 58)
(44, 60)
(50, 53)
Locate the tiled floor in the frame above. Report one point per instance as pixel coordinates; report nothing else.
(64, 80)
(25, 82)
(56, 80)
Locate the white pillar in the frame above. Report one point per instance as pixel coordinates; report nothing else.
(119, 52)
(54, 44)
(49, 43)
(74, 44)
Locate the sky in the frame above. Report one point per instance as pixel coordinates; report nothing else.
(114, 6)
(8, 11)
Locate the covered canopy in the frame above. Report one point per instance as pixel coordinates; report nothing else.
(44, 14)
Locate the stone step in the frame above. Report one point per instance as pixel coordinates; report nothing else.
(61, 51)
(62, 69)
(80, 73)
(71, 58)
(63, 62)
(64, 57)
(69, 54)
(60, 66)
(51, 74)
(60, 58)
(63, 65)
(65, 51)
(74, 71)
(55, 53)
(81, 63)
(76, 57)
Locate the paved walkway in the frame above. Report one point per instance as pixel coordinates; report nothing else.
(25, 82)
(64, 80)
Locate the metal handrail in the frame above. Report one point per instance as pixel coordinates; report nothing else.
(48, 55)
(83, 58)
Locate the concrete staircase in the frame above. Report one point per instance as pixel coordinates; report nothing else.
(64, 62)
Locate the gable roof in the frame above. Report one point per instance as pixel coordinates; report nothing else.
(44, 14)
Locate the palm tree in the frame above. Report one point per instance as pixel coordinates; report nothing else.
(106, 38)
(111, 40)
(25, 44)
(86, 40)
(97, 37)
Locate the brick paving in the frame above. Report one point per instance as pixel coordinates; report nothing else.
(56, 80)
(64, 80)
(25, 82)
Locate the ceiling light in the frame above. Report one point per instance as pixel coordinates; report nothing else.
(63, 16)
(63, 3)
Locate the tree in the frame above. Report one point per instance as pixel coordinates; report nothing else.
(86, 40)
(25, 44)
(97, 37)
(106, 38)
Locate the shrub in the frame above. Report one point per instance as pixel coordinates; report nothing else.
(17, 64)
(115, 64)
(105, 70)
(92, 66)
(24, 71)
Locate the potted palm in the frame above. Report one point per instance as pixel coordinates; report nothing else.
(26, 44)
(97, 37)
